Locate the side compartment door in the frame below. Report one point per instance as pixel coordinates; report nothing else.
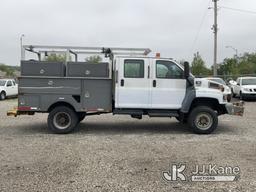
(132, 83)
(168, 85)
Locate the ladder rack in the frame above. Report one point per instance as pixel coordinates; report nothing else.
(76, 50)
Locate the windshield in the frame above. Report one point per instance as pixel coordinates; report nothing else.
(221, 81)
(249, 81)
(2, 83)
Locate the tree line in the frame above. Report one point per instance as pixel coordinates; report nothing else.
(236, 66)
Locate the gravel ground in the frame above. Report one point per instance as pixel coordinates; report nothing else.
(118, 153)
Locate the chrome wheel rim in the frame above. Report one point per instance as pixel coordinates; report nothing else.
(62, 120)
(203, 121)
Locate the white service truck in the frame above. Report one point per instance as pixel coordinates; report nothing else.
(131, 83)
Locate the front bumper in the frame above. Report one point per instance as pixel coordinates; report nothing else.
(249, 95)
(236, 108)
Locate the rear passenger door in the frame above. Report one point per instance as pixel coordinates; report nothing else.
(132, 83)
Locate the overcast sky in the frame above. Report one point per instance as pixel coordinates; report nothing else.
(166, 26)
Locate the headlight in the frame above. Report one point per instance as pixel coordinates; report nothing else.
(216, 86)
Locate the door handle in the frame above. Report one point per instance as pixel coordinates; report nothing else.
(154, 83)
(122, 82)
(148, 72)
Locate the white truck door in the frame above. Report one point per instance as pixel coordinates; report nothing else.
(15, 90)
(132, 83)
(168, 85)
(9, 88)
(237, 86)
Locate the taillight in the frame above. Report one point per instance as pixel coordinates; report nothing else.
(24, 108)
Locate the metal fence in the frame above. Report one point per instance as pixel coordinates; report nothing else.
(228, 77)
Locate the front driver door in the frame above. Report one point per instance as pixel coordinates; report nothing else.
(168, 85)
(9, 88)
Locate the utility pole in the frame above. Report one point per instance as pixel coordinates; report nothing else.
(21, 47)
(215, 31)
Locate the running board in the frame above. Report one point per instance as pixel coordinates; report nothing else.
(149, 112)
(163, 114)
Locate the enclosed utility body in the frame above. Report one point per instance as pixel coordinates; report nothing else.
(130, 83)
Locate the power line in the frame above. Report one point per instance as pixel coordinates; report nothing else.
(200, 27)
(239, 10)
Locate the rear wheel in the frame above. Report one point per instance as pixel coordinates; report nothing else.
(203, 120)
(2, 95)
(62, 119)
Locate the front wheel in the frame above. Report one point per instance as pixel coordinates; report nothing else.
(203, 120)
(62, 119)
(2, 95)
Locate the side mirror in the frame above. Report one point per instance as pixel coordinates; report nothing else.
(186, 70)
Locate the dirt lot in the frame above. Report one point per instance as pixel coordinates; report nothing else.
(117, 153)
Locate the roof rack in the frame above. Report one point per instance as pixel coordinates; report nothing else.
(76, 50)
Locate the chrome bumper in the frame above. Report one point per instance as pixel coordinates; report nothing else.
(236, 108)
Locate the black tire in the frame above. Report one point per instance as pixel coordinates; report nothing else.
(81, 116)
(2, 95)
(241, 97)
(229, 98)
(205, 114)
(62, 120)
(233, 94)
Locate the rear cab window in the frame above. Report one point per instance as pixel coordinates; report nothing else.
(133, 68)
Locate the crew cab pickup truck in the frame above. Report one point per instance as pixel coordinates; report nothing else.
(245, 88)
(8, 88)
(130, 83)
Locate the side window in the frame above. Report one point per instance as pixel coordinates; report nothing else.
(9, 84)
(14, 83)
(134, 68)
(168, 70)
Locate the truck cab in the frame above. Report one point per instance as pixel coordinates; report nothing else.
(149, 83)
(131, 83)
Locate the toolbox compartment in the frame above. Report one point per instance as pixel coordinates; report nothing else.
(85, 69)
(42, 68)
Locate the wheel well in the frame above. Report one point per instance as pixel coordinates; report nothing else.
(209, 102)
(3, 92)
(60, 104)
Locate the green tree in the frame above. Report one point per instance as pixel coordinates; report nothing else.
(93, 59)
(198, 67)
(55, 57)
(229, 67)
(9, 71)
